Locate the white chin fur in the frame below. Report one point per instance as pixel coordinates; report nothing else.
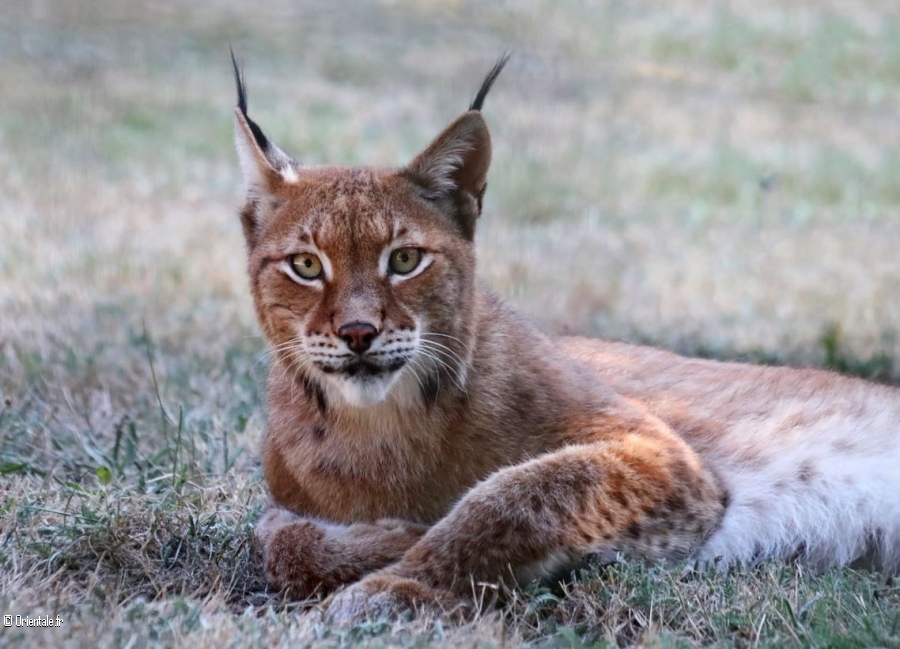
(362, 392)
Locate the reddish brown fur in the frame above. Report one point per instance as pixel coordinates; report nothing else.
(514, 455)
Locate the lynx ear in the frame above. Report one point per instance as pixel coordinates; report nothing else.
(265, 167)
(458, 159)
(453, 168)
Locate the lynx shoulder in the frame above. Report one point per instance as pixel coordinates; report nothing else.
(422, 434)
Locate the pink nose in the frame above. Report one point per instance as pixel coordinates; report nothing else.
(358, 335)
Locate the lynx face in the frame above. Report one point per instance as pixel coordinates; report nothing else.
(362, 277)
(356, 280)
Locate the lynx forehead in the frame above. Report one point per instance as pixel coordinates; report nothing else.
(423, 437)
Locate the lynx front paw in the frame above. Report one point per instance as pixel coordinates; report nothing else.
(389, 596)
(292, 554)
(305, 557)
(273, 520)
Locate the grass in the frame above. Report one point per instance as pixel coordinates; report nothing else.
(722, 183)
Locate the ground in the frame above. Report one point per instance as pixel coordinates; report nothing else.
(720, 179)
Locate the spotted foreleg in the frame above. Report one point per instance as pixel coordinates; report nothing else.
(647, 496)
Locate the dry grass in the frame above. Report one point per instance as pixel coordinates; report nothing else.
(721, 179)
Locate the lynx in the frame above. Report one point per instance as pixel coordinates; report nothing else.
(423, 438)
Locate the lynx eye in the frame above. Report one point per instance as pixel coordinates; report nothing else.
(307, 265)
(404, 260)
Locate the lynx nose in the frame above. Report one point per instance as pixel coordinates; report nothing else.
(358, 335)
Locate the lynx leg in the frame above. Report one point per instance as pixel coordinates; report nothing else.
(647, 496)
(306, 557)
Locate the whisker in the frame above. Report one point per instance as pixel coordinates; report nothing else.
(457, 368)
(437, 363)
(301, 363)
(438, 349)
(415, 364)
(425, 334)
(464, 346)
(275, 349)
(456, 373)
(450, 351)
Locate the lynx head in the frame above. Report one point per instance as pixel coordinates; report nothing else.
(362, 278)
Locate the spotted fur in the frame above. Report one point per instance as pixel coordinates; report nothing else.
(463, 446)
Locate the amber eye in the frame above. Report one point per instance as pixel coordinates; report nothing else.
(307, 266)
(405, 260)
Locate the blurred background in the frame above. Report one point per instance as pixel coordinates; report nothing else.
(720, 178)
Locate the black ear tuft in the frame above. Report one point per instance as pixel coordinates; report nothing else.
(239, 83)
(261, 140)
(489, 81)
